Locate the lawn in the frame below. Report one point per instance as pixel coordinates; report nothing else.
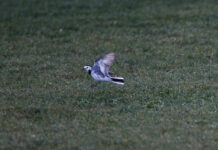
(165, 49)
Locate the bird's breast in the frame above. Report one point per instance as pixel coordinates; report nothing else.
(89, 72)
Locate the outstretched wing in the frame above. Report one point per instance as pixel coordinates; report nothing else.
(105, 62)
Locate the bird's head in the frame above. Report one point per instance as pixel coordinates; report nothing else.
(87, 68)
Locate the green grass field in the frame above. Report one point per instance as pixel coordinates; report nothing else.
(165, 49)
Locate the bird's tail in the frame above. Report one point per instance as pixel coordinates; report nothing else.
(118, 80)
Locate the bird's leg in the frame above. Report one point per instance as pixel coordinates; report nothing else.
(95, 84)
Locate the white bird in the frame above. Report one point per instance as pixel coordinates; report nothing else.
(100, 70)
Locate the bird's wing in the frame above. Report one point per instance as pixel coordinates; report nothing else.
(105, 62)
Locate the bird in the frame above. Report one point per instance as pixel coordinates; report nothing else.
(100, 70)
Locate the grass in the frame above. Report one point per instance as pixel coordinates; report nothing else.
(166, 51)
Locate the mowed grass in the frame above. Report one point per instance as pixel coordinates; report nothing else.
(165, 50)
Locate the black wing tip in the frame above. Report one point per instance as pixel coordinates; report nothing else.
(118, 80)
